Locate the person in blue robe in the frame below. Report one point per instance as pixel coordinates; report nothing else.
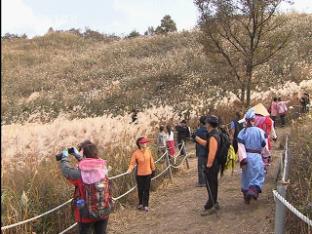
(251, 141)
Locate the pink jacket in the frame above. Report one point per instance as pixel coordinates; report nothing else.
(274, 109)
(282, 107)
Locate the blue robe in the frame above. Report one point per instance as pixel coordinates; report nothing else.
(252, 179)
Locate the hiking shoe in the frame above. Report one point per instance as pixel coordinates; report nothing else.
(247, 199)
(217, 206)
(140, 207)
(206, 212)
(146, 209)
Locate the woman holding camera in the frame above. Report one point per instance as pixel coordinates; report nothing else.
(92, 199)
(143, 159)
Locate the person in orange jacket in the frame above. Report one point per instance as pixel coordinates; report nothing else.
(143, 159)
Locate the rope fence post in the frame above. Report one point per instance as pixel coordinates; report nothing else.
(168, 165)
(186, 159)
(187, 163)
(280, 209)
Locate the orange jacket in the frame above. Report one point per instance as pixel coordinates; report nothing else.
(212, 151)
(144, 161)
(213, 148)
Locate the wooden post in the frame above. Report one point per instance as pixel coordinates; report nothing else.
(187, 163)
(168, 164)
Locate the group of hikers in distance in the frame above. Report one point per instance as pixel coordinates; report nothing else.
(247, 140)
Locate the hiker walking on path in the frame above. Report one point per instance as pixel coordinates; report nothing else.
(251, 141)
(162, 140)
(274, 110)
(183, 133)
(212, 165)
(134, 116)
(170, 141)
(266, 124)
(305, 102)
(235, 129)
(91, 204)
(201, 152)
(143, 159)
(282, 110)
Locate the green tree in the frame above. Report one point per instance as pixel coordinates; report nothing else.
(133, 34)
(166, 25)
(150, 31)
(241, 35)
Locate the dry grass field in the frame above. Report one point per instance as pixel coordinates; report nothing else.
(60, 89)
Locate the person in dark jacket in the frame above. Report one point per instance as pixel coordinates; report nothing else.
(201, 152)
(212, 166)
(235, 129)
(86, 151)
(183, 133)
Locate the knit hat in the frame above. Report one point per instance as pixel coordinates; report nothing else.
(212, 119)
(202, 119)
(250, 114)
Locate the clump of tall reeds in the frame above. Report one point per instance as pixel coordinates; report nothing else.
(299, 192)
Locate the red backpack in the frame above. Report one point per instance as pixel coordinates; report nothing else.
(98, 202)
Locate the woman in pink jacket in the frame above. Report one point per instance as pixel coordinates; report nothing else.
(282, 110)
(274, 110)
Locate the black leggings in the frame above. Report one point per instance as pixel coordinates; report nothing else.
(98, 227)
(212, 185)
(144, 183)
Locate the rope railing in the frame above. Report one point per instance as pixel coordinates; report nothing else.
(67, 202)
(161, 157)
(121, 196)
(178, 166)
(160, 174)
(69, 228)
(280, 195)
(36, 217)
(134, 187)
(180, 147)
(292, 208)
(126, 193)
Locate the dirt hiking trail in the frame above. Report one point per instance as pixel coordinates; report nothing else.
(175, 207)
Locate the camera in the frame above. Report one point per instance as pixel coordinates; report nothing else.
(71, 150)
(58, 157)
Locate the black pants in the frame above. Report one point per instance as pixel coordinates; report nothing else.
(201, 164)
(283, 119)
(274, 119)
(144, 184)
(98, 227)
(235, 145)
(181, 147)
(212, 185)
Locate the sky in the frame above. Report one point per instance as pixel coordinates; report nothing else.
(35, 17)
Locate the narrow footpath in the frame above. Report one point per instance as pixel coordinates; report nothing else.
(175, 207)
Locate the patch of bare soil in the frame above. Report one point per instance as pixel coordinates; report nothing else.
(175, 208)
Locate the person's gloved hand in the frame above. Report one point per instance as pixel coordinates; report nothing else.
(76, 154)
(193, 136)
(64, 153)
(243, 162)
(207, 169)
